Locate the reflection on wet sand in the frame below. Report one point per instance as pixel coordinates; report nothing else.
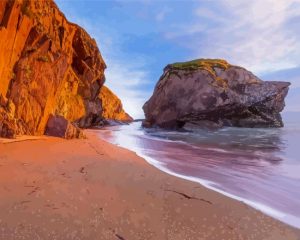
(252, 164)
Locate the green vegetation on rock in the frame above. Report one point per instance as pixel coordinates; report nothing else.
(205, 64)
(208, 65)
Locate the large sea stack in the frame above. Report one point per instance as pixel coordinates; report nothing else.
(214, 93)
(49, 68)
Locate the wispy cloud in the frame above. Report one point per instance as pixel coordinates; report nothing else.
(256, 34)
(124, 76)
(125, 80)
(138, 38)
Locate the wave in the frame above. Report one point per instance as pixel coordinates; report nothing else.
(255, 166)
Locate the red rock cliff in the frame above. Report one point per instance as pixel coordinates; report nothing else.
(112, 107)
(48, 66)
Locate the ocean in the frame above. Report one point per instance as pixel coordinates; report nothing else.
(260, 167)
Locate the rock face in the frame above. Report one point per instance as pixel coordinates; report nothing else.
(58, 126)
(47, 66)
(112, 107)
(213, 93)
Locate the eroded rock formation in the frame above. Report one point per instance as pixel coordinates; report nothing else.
(47, 66)
(213, 93)
(112, 107)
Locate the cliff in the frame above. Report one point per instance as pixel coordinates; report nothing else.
(112, 107)
(213, 93)
(48, 67)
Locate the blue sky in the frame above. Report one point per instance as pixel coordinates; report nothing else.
(139, 38)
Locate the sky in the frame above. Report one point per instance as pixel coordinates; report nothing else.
(138, 38)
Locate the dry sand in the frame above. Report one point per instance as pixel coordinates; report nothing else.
(89, 189)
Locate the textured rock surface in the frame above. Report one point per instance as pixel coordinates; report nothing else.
(47, 66)
(58, 126)
(112, 106)
(213, 93)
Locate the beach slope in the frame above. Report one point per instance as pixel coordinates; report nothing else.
(53, 188)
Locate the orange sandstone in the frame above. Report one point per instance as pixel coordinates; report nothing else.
(47, 66)
(112, 106)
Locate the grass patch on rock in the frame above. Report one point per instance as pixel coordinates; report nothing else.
(208, 65)
(205, 64)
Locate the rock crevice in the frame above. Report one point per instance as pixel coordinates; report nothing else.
(48, 66)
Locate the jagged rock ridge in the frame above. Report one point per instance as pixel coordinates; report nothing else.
(47, 66)
(214, 93)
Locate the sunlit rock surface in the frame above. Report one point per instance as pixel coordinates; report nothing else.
(112, 106)
(47, 66)
(212, 93)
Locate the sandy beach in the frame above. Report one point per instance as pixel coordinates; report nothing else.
(53, 188)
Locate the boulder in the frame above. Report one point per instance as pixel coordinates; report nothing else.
(212, 93)
(7, 127)
(58, 126)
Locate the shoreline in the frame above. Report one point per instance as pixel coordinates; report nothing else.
(208, 184)
(205, 183)
(83, 189)
(174, 155)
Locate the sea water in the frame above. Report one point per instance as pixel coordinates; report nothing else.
(258, 166)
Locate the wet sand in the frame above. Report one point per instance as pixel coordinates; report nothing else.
(251, 165)
(89, 189)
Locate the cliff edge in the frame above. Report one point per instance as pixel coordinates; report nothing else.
(48, 67)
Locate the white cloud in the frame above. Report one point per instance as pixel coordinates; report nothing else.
(261, 35)
(255, 34)
(124, 80)
(123, 76)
